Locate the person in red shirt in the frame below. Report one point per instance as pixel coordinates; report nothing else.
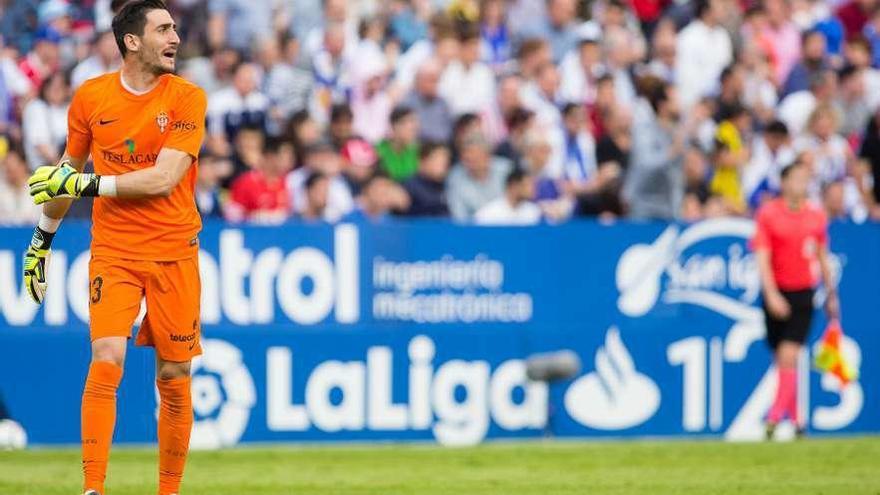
(791, 246)
(261, 195)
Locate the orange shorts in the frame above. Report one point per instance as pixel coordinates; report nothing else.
(172, 290)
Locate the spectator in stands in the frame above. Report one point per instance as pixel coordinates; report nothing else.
(261, 195)
(399, 154)
(379, 196)
(16, 205)
(215, 72)
(303, 132)
(619, 65)
(515, 206)
(465, 125)
(105, 59)
(696, 192)
(771, 152)
(813, 61)
(533, 54)
(321, 157)
(581, 67)
(45, 122)
(427, 189)
(496, 44)
(596, 187)
(238, 23)
(858, 54)
(559, 27)
(371, 103)
(830, 151)
(247, 151)
(654, 186)
(550, 193)
(209, 197)
(335, 17)
(854, 15)
(468, 84)
(782, 38)
(231, 108)
(730, 95)
(286, 87)
(341, 127)
(43, 60)
(316, 188)
(360, 162)
(541, 96)
(796, 108)
(730, 156)
(519, 122)
(477, 180)
(497, 116)
(697, 68)
(663, 51)
(853, 102)
(332, 71)
(432, 110)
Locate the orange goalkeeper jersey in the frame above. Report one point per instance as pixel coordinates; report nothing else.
(124, 132)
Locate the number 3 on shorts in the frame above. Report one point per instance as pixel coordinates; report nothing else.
(96, 289)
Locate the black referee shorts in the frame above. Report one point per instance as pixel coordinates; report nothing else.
(797, 326)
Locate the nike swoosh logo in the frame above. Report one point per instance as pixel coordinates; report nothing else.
(105, 122)
(193, 344)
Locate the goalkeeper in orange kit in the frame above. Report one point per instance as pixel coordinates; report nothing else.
(143, 128)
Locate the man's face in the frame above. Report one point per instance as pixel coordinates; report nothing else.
(814, 48)
(525, 189)
(245, 80)
(317, 195)
(342, 128)
(470, 51)
(436, 165)
(795, 185)
(475, 158)
(407, 129)
(157, 48)
(427, 80)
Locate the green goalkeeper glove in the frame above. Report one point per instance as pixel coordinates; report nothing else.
(36, 259)
(50, 182)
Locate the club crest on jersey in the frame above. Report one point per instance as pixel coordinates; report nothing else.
(162, 121)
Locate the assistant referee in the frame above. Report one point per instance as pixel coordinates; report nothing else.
(791, 246)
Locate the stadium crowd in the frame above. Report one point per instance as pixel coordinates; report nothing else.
(486, 111)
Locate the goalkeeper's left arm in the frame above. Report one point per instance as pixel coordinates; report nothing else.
(36, 258)
(56, 186)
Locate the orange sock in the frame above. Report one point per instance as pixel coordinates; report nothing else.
(175, 425)
(98, 421)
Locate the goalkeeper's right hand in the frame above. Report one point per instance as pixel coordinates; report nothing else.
(36, 259)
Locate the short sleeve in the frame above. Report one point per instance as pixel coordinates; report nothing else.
(761, 239)
(188, 125)
(79, 134)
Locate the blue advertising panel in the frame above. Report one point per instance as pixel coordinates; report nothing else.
(420, 331)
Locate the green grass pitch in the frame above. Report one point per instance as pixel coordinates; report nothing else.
(846, 466)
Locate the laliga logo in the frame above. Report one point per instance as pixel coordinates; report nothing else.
(223, 395)
(701, 280)
(616, 396)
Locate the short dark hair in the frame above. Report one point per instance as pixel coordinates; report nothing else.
(399, 113)
(463, 121)
(786, 170)
(776, 127)
(515, 177)
(313, 179)
(340, 111)
(132, 19)
(427, 148)
(809, 33)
